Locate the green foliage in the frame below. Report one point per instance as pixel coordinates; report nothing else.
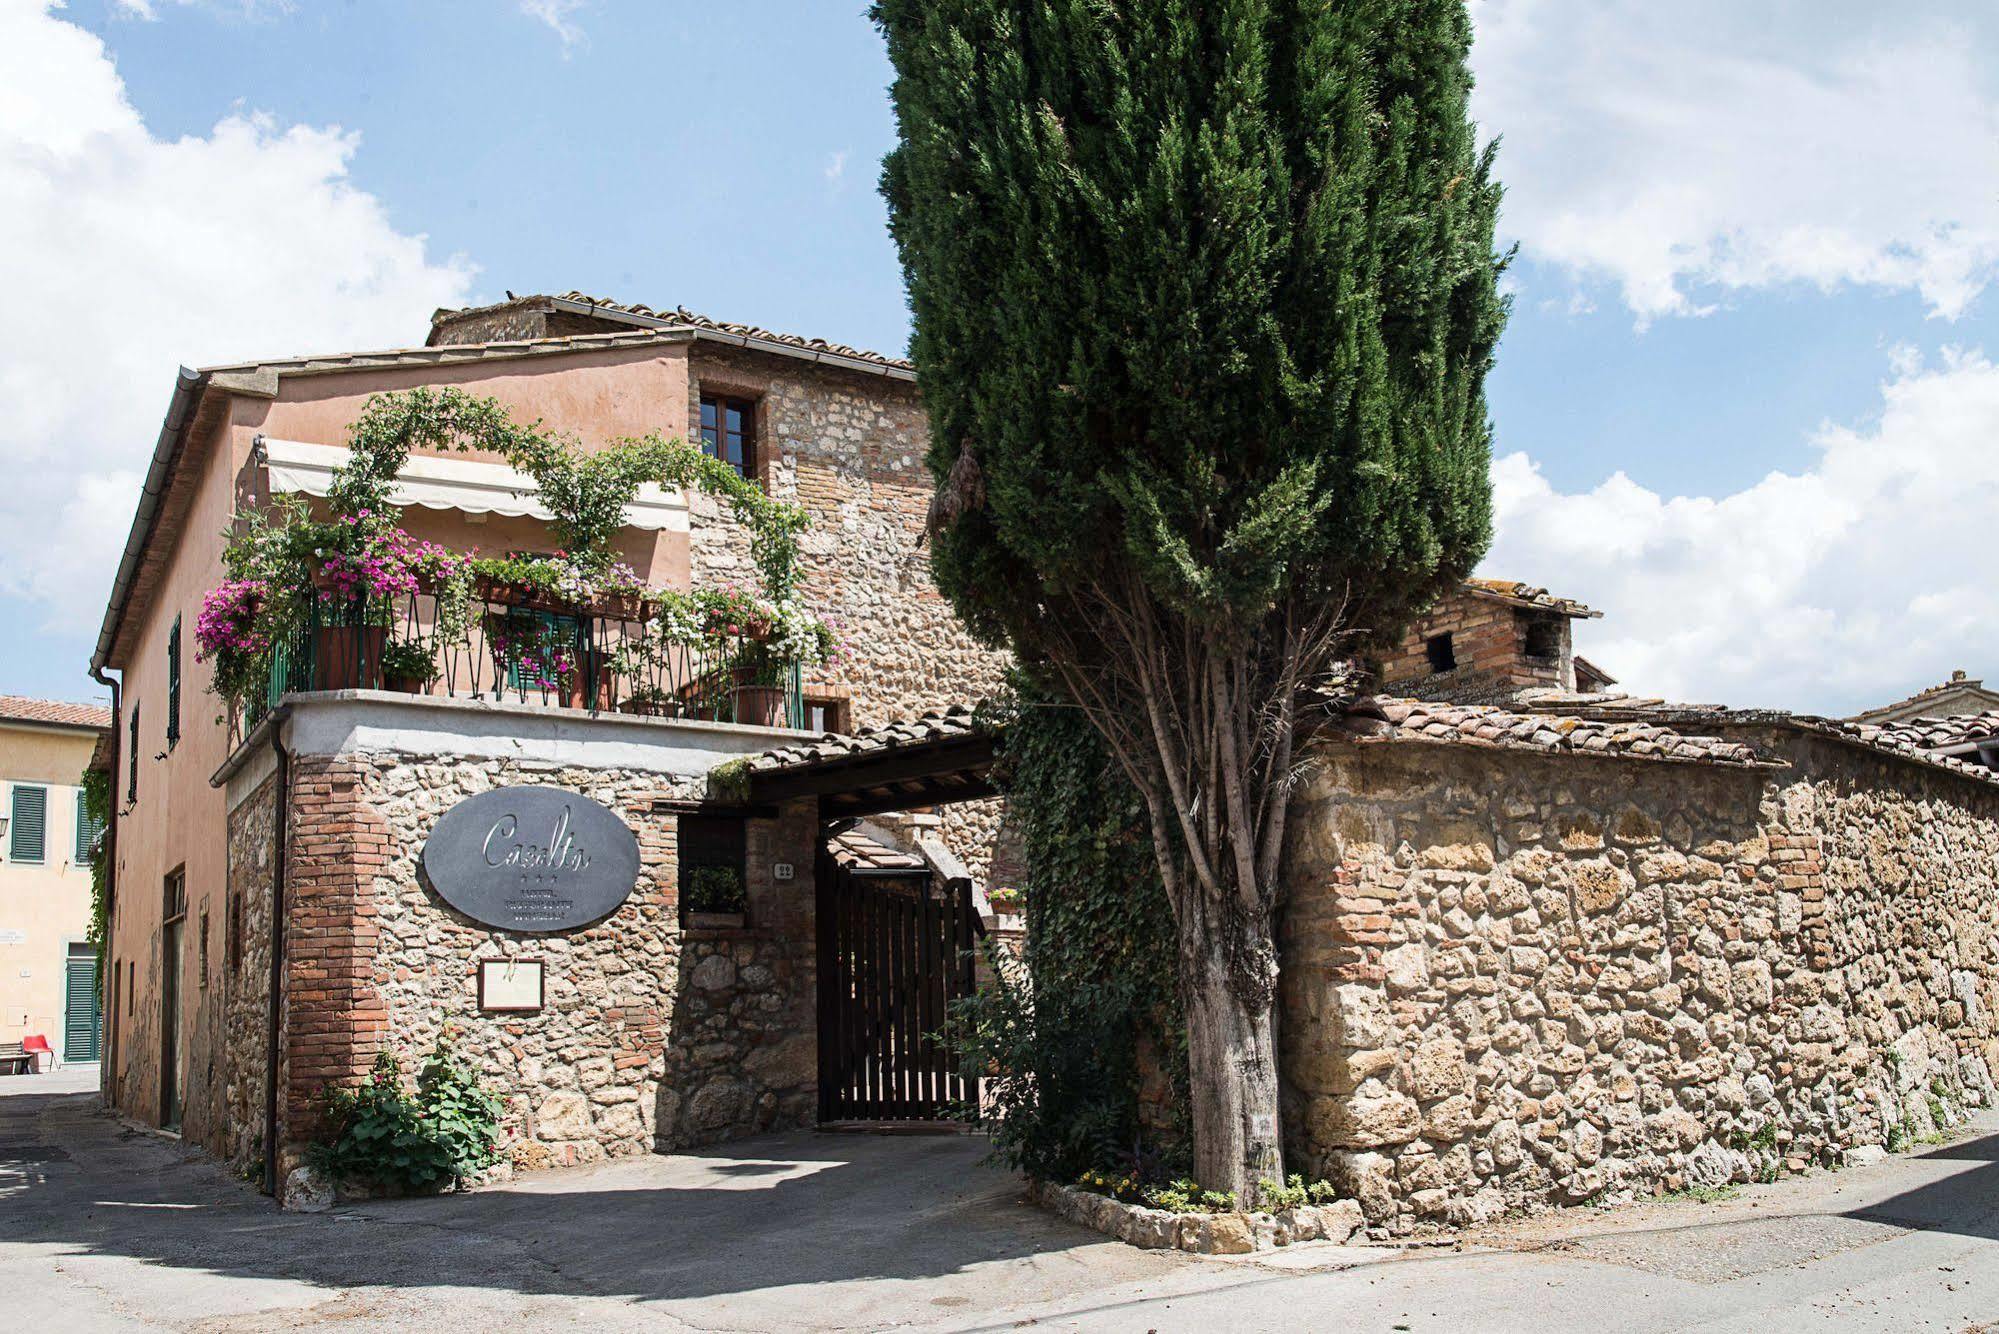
(715, 889)
(1208, 288)
(96, 786)
(730, 781)
(1060, 1052)
(272, 553)
(1293, 1192)
(409, 660)
(386, 1134)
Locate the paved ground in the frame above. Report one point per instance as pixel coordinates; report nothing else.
(106, 1228)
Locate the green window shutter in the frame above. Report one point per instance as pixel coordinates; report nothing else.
(87, 831)
(173, 684)
(27, 836)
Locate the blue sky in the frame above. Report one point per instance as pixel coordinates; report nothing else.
(1751, 244)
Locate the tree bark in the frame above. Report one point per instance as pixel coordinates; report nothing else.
(1231, 1052)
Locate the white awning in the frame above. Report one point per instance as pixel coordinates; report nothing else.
(442, 483)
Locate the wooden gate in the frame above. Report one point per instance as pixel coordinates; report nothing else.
(895, 949)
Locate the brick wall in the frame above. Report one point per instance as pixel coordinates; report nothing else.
(1489, 639)
(334, 1016)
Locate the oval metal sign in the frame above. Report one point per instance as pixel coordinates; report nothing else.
(532, 859)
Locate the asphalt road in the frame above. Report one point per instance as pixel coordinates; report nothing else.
(103, 1227)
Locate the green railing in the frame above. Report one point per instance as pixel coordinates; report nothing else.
(574, 657)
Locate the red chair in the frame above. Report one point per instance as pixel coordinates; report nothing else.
(37, 1046)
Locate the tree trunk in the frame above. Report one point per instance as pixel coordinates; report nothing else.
(1231, 1057)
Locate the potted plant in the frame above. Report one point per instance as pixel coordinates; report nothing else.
(408, 666)
(714, 898)
(649, 701)
(1006, 900)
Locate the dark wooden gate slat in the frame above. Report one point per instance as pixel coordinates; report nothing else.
(926, 1018)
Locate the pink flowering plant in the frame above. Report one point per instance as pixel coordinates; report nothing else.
(541, 656)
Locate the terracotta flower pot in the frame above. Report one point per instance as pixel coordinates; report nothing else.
(760, 706)
(405, 685)
(348, 657)
(576, 693)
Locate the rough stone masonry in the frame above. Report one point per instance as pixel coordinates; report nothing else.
(1539, 960)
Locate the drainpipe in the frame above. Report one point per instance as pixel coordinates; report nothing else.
(281, 793)
(107, 1072)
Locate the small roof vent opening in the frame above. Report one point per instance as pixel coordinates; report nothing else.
(1544, 637)
(1442, 653)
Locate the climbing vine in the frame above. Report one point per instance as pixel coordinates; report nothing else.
(1071, 1030)
(96, 785)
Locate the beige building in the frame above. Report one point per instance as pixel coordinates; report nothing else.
(48, 968)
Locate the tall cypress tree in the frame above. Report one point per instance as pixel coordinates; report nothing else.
(1205, 296)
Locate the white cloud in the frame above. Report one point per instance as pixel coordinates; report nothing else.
(123, 255)
(1848, 584)
(1685, 150)
(836, 166)
(556, 14)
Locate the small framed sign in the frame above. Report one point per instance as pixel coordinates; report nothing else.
(510, 985)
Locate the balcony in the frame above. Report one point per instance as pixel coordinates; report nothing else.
(609, 654)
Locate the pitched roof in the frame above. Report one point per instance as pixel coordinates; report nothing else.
(679, 317)
(1957, 693)
(853, 848)
(957, 721)
(1386, 718)
(54, 713)
(1915, 741)
(1959, 731)
(1526, 595)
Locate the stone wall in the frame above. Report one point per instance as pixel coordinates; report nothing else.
(245, 969)
(849, 448)
(1513, 980)
(651, 1036)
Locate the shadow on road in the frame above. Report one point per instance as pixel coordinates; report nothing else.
(778, 1212)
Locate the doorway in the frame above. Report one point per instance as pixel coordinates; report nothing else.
(83, 1016)
(170, 948)
(896, 948)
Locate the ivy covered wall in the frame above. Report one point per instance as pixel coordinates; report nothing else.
(1084, 1027)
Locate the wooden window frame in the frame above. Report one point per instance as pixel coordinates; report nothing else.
(752, 415)
(173, 685)
(41, 854)
(839, 710)
(132, 760)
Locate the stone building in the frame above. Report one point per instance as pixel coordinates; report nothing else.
(1544, 952)
(273, 926)
(1488, 641)
(1962, 694)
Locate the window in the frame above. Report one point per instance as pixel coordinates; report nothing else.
(27, 834)
(711, 841)
(88, 831)
(823, 713)
(175, 906)
(173, 684)
(202, 949)
(1442, 653)
(234, 945)
(131, 985)
(728, 432)
(1544, 638)
(132, 757)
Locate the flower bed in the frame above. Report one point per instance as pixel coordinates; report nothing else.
(1233, 1232)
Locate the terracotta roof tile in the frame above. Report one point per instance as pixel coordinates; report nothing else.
(681, 315)
(1526, 595)
(958, 720)
(54, 713)
(854, 848)
(1923, 741)
(1383, 718)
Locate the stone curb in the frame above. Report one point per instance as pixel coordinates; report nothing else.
(1199, 1233)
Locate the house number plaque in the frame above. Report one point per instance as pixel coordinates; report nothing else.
(532, 859)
